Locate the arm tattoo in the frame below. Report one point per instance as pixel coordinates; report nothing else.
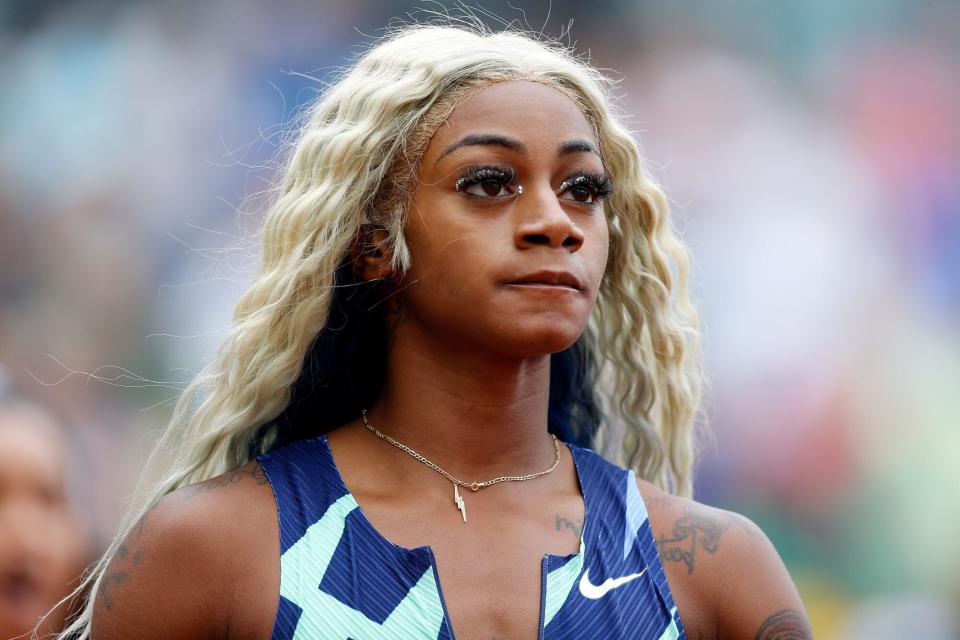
(128, 556)
(690, 531)
(786, 624)
(118, 571)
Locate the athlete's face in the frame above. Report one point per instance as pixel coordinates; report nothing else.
(507, 230)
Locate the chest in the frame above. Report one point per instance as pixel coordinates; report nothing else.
(490, 571)
(494, 588)
(383, 563)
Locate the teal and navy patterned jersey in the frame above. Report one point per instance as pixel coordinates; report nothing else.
(340, 579)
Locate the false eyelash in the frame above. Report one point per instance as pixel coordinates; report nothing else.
(600, 183)
(473, 175)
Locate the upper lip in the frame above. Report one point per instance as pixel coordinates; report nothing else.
(550, 276)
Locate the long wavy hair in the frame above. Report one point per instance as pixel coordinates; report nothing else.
(309, 340)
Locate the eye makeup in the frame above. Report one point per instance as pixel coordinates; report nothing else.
(488, 177)
(493, 181)
(588, 184)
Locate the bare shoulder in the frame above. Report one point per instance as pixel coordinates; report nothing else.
(725, 574)
(199, 564)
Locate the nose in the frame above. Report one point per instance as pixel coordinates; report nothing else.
(541, 220)
(23, 529)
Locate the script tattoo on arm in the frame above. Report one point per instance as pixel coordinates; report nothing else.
(786, 624)
(694, 531)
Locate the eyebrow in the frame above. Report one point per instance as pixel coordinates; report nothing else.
(577, 146)
(484, 139)
(491, 139)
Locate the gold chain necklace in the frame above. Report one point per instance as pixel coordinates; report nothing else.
(474, 486)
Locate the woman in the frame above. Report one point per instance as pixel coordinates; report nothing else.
(466, 261)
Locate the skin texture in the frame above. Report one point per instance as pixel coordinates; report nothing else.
(42, 546)
(467, 386)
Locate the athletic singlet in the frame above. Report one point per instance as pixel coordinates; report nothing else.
(340, 579)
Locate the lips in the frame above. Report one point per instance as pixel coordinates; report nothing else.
(550, 277)
(18, 589)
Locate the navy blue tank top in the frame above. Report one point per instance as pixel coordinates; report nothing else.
(340, 579)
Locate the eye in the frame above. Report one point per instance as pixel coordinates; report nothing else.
(586, 188)
(487, 182)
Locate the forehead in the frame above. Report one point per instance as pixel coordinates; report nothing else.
(522, 109)
(29, 443)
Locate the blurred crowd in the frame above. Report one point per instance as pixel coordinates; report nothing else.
(811, 154)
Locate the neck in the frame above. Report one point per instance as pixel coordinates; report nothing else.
(476, 415)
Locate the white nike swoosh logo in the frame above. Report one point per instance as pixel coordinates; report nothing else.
(595, 591)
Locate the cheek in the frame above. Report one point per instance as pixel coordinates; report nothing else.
(448, 251)
(452, 270)
(595, 251)
(439, 264)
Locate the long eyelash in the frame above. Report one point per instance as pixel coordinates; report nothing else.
(473, 175)
(600, 183)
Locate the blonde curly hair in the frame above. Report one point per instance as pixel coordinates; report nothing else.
(353, 164)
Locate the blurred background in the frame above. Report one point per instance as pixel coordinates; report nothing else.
(811, 153)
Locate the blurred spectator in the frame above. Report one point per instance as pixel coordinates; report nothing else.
(43, 548)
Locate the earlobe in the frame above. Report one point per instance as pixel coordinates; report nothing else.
(372, 255)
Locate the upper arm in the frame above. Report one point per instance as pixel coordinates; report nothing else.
(755, 595)
(175, 574)
(157, 583)
(725, 574)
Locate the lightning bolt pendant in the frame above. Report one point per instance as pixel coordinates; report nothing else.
(457, 498)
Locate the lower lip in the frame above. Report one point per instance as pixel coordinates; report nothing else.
(539, 286)
(18, 596)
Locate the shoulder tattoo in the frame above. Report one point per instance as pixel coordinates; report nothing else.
(695, 531)
(258, 474)
(786, 624)
(254, 471)
(127, 556)
(129, 553)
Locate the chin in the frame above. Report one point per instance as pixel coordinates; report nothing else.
(544, 341)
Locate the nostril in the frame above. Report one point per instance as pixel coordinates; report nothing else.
(571, 242)
(537, 238)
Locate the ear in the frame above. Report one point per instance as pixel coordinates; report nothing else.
(371, 253)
